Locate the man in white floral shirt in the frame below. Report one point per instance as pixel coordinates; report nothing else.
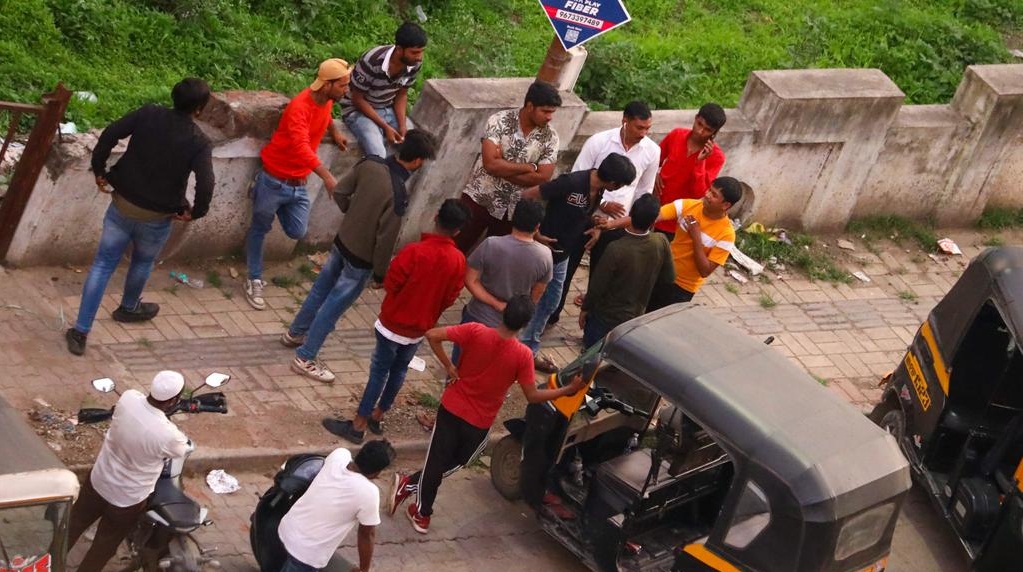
(519, 151)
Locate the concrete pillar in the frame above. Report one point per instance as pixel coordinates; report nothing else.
(850, 108)
(990, 97)
(455, 111)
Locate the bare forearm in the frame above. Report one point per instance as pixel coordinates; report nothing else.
(475, 287)
(437, 345)
(703, 264)
(541, 395)
(401, 108)
(509, 171)
(367, 536)
(363, 107)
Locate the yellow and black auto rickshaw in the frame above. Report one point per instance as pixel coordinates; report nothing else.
(698, 448)
(955, 405)
(36, 493)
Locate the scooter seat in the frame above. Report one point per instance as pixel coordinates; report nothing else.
(174, 506)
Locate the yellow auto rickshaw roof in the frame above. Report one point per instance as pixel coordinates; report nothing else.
(28, 468)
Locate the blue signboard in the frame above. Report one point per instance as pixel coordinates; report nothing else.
(578, 21)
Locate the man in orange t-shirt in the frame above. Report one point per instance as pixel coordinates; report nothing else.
(690, 160)
(704, 237)
(280, 187)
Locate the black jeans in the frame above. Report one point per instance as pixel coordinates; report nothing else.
(454, 444)
(545, 431)
(666, 295)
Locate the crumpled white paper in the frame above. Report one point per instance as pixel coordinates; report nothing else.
(221, 482)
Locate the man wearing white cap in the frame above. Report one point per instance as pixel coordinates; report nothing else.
(127, 468)
(288, 159)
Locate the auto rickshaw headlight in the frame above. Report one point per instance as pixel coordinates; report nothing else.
(863, 530)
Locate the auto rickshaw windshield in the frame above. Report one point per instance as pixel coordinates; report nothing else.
(28, 534)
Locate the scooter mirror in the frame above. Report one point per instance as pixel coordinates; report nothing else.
(217, 379)
(104, 385)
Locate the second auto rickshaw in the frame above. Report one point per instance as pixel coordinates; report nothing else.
(751, 465)
(36, 493)
(955, 405)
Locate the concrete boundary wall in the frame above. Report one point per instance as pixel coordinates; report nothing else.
(818, 147)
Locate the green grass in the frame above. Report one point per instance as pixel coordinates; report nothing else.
(427, 400)
(766, 301)
(307, 272)
(732, 288)
(1000, 218)
(799, 254)
(283, 281)
(994, 241)
(821, 380)
(907, 296)
(675, 54)
(896, 229)
(213, 279)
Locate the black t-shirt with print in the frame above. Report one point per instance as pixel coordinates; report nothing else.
(568, 213)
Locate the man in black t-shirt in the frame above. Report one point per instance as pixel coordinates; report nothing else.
(571, 200)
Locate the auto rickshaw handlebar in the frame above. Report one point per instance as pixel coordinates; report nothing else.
(214, 402)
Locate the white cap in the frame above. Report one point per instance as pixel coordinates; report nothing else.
(167, 385)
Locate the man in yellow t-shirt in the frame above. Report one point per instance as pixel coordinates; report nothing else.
(704, 221)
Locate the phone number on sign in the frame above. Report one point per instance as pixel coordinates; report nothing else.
(579, 19)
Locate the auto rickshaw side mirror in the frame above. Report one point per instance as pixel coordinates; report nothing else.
(103, 384)
(217, 379)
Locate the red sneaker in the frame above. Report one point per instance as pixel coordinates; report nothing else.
(399, 492)
(419, 522)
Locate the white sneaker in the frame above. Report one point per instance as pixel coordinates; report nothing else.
(254, 293)
(312, 369)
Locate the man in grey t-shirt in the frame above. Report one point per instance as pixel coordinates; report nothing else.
(505, 266)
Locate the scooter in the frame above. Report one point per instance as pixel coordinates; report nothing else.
(162, 539)
(290, 483)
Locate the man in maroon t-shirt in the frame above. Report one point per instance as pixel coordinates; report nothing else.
(492, 360)
(690, 160)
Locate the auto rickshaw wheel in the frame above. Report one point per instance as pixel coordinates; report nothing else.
(504, 467)
(894, 422)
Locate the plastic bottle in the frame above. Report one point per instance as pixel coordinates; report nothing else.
(577, 470)
(184, 279)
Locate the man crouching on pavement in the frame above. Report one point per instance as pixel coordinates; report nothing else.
(492, 360)
(127, 468)
(341, 496)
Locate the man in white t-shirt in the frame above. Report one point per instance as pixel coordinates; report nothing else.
(341, 496)
(140, 438)
(629, 139)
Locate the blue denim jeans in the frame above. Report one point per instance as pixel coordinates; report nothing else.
(270, 198)
(293, 564)
(336, 288)
(387, 370)
(545, 307)
(456, 350)
(147, 239)
(369, 134)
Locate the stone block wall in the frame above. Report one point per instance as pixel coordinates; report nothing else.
(817, 147)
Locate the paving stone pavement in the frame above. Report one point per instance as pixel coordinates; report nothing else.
(845, 335)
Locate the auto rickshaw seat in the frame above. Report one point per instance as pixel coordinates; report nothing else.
(173, 505)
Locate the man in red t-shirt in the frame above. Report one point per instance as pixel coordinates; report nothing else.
(690, 160)
(288, 159)
(492, 360)
(423, 280)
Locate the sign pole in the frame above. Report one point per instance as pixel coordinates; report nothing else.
(553, 63)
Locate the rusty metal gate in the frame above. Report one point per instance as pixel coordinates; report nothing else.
(26, 172)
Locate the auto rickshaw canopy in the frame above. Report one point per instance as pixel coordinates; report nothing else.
(29, 471)
(774, 420)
